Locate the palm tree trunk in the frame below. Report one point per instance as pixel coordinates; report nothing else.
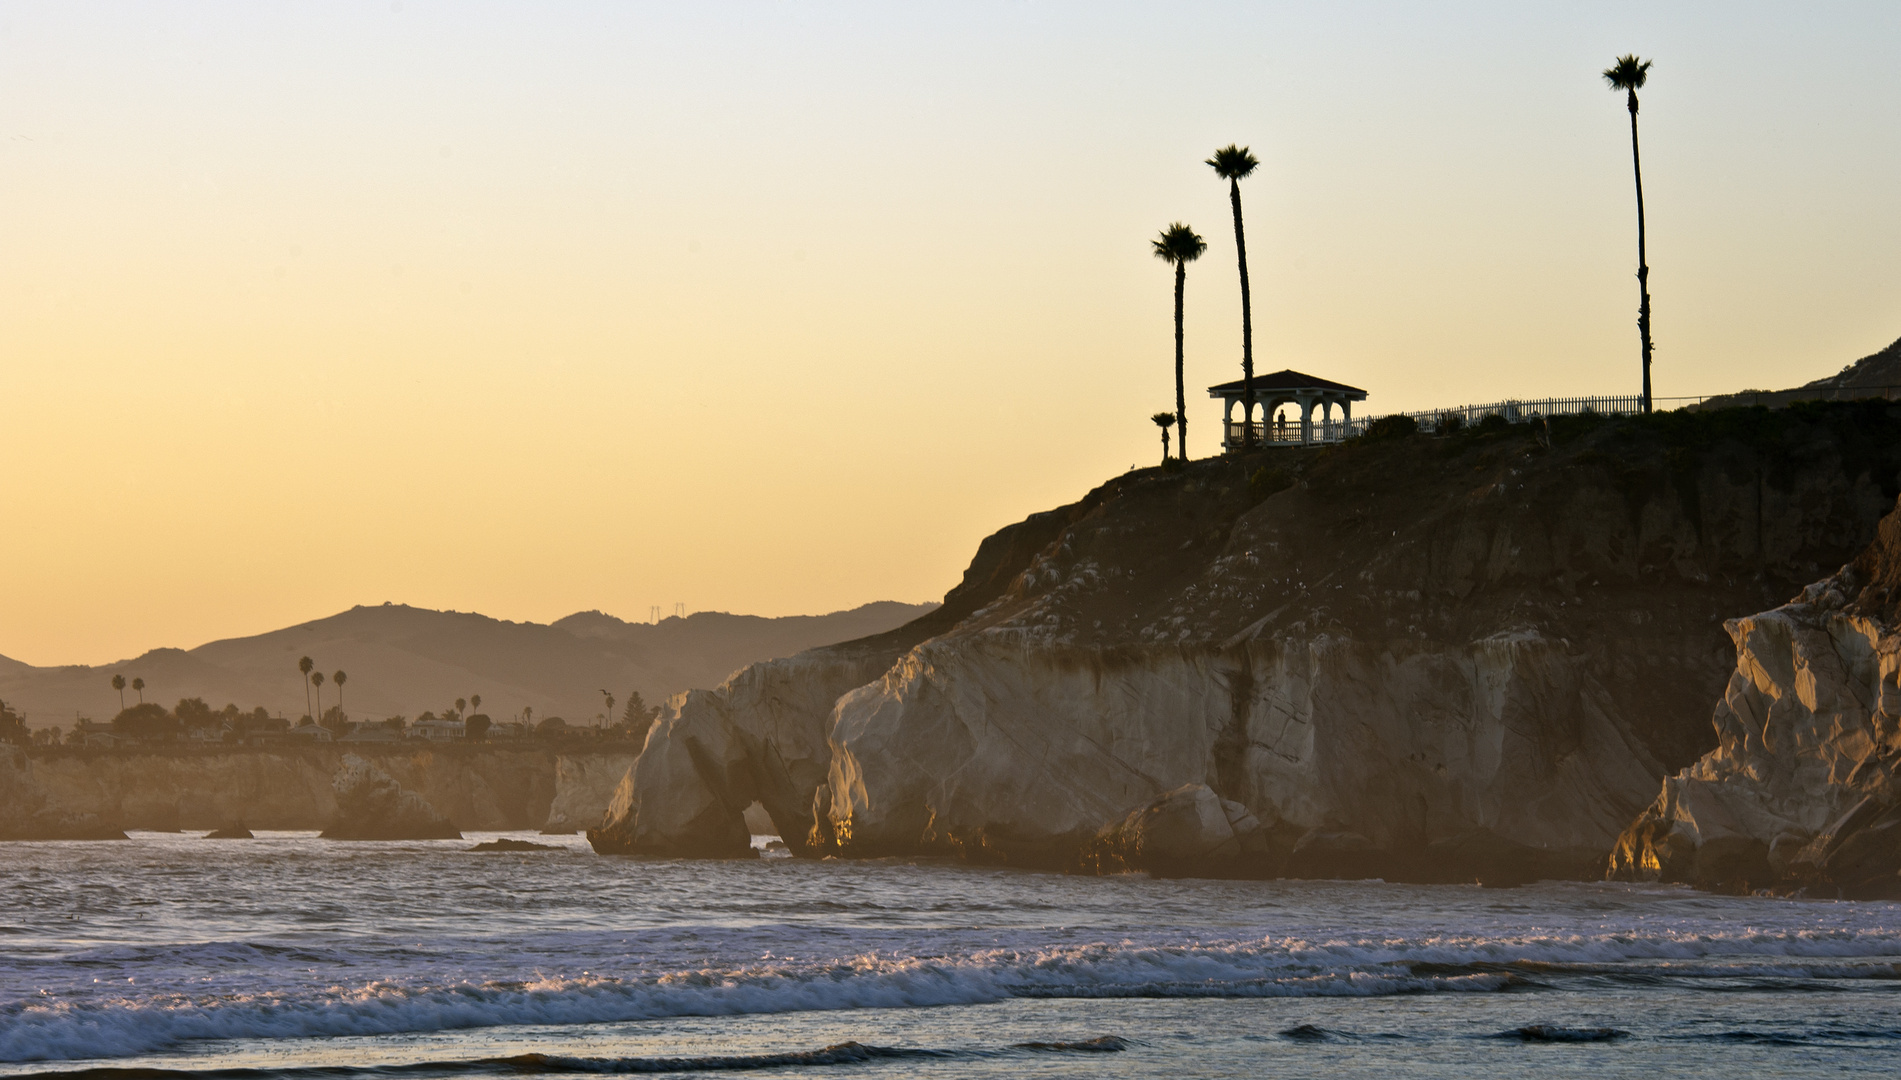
(1181, 402)
(307, 699)
(1643, 266)
(1247, 322)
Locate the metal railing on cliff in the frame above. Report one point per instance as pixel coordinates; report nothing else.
(1518, 410)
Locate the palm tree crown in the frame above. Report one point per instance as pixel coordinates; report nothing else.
(1233, 162)
(1178, 244)
(1629, 73)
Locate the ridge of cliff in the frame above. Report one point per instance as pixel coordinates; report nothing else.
(1802, 792)
(1424, 658)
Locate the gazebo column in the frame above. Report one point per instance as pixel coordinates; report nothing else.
(1306, 420)
(1227, 421)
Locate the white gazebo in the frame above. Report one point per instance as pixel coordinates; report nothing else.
(1277, 389)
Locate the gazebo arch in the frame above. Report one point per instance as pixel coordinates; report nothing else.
(1274, 390)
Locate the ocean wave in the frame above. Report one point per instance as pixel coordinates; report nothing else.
(845, 1053)
(88, 1023)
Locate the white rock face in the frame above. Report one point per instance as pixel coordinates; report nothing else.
(994, 748)
(584, 785)
(759, 737)
(1810, 732)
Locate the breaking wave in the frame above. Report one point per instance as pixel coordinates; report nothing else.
(104, 1024)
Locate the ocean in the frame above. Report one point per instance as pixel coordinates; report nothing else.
(287, 955)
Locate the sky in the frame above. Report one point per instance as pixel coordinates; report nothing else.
(781, 308)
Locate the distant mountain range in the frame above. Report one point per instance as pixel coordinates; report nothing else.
(405, 660)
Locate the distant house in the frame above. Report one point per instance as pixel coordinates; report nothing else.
(311, 733)
(104, 740)
(436, 730)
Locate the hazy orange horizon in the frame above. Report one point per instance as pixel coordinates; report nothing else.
(780, 310)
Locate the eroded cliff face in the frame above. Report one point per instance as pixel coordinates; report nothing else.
(1424, 659)
(100, 793)
(1801, 792)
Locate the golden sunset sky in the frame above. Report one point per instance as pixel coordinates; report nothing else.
(780, 308)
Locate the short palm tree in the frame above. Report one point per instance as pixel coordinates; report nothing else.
(1178, 246)
(1233, 164)
(475, 703)
(316, 680)
(337, 680)
(139, 685)
(461, 706)
(1163, 420)
(1629, 75)
(304, 668)
(118, 683)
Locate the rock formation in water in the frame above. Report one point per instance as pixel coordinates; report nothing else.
(1430, 659)
(1801, 792)
(371, 805)
(583, 787)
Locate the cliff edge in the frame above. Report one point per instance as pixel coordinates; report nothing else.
(1419, 658)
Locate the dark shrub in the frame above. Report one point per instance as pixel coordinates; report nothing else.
(1269, 481)
(1492, 423)
(1390, 427)
(1449, 423)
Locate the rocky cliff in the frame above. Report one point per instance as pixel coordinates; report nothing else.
(85, 794)
(1801, 792)
(1422, 658)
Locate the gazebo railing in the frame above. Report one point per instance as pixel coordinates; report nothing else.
(1287, 432)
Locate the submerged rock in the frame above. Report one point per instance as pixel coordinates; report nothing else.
(506, 844)
(373, 806)
(1801, 792)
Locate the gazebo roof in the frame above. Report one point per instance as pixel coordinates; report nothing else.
(1284, 381)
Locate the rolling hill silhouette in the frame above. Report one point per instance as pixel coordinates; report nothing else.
(404, 660)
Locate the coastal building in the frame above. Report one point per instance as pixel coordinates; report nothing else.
(1280, 395)
(436, 730)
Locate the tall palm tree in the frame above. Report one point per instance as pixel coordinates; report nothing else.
(1233, 164)
(1163, 420)
(338, 680)
(461, 706)
(1629, 75)
(304, 667)
(118, 683)
(1178, 246)
(316, 680)
(139, 685)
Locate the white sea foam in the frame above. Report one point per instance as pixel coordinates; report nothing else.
(93, 1025)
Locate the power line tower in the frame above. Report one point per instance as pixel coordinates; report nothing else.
(679, 609)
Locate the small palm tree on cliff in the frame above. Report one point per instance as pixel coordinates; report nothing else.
(118, 683)
(316, 680)
(304, 667)
(1178, 246)
(1163, 420)
(1629, 75)
(1234, 164)
(338, 679)
(139, 686)
(475, 703)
